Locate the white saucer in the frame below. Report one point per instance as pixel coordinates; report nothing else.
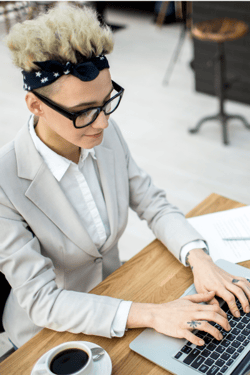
(101, 367)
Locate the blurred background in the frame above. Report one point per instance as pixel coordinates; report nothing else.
(168, 76)
(172, 80)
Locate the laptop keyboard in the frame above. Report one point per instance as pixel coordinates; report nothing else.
(216, 357)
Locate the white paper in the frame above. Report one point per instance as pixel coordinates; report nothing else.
(226, 224)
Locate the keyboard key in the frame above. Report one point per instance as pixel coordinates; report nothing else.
(235, 355)
(225, 343)
(236, 331)
(245, 319)
(186, 349)
(223, 369)
(248, 325)
(189, 343)
(230, 350)
(245, 332)
(194, 353)
(215, 355)
(233, 323)
(178, 355)
(241, 338)
(235, 344)
(220, 363)
(201, 334)
(220, 349)
(203, 368)
(230, 362)
(207, 340)
(211, 347)
(246, 342)
(224, 307)
(197, 362)
(235, 320)
(240, 349)
(205, 353)
(213, 370)
(225, 356)
(209, 362)
(240, 325)
(216, 342)
(230, 337)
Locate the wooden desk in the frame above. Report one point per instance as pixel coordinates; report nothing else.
(151, 276)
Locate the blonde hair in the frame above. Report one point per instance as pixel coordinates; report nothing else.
(63, 34)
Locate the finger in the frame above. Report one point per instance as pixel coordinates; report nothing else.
(213, 308)
(238, 292)
(213, 316)
(230, 300)
(201, 297)
(205, 326)
(214, 301)
(192, 338)
(244, 291)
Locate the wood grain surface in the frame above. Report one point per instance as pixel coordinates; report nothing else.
(151, 276)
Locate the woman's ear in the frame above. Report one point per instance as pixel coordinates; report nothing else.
(34, 104)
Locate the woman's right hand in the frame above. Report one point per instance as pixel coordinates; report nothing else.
(178, 318)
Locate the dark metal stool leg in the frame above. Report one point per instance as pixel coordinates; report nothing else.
(204, 119)
(220, 69)
(238, 117)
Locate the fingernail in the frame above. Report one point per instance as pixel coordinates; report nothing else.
(228, 326)
(237, 314)
(201, 342)
(247, 309)
(220, 336)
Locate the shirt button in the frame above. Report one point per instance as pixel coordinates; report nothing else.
(98, 260)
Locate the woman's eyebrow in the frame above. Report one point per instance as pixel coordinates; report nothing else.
(89, 103)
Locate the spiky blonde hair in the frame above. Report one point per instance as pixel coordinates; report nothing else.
(63, 34)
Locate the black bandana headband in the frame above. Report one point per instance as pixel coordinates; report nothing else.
(52, 70)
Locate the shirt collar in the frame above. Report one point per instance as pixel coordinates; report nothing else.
(57, 164)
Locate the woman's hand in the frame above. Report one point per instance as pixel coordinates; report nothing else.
(208, 276)
(178, 318)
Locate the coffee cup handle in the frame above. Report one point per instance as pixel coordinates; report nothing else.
(40, 369)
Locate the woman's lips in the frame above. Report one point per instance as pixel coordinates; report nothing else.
(94, 135)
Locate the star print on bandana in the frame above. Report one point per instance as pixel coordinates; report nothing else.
(87, 70)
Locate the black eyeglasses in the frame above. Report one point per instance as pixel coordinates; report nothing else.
(87, 116)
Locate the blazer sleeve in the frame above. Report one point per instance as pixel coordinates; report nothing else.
(166, 221)
(32, 278)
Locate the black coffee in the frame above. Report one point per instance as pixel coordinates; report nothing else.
(69, 361)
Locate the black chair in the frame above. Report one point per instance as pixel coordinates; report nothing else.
(5, 291)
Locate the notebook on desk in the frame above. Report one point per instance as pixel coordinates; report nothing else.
(231, 355)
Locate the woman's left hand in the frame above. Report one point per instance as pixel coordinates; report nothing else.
(209, 277)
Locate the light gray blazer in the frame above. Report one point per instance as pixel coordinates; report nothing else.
(47, 255)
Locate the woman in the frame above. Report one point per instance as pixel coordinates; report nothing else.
(66, 183)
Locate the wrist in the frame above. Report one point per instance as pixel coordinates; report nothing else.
(195, 255)
(141, 315)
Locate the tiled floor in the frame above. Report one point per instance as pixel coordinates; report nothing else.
(155, 120)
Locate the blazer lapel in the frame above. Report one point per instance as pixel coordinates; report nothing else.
(45, 192)
(106, 166)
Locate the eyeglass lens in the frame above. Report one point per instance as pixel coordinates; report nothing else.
(89, 116)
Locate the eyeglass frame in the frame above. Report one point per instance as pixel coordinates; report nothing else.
(73, 115)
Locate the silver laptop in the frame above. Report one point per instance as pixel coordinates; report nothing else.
(231, 355)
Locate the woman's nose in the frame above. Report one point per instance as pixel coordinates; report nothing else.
(101, 122)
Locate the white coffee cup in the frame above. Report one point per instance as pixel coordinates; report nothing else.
(44, 368)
